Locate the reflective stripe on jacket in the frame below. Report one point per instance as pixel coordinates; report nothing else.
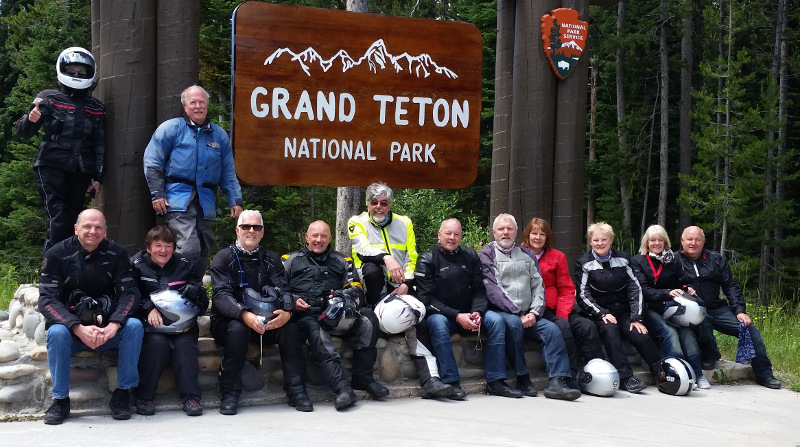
(396, 238)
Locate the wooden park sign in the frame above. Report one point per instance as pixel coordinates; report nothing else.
(337, 98)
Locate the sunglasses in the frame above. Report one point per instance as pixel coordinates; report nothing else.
(383, 203)
(247, 227)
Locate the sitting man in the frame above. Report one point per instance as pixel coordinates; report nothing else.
(384, 246)
(711, 272)
(238, 271)
(314, 273)
(385, 252)
(450, 284)
(87, 295)
(515, 292)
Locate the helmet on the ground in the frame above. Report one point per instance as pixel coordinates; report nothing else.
(178, 314)
(675, 376)
(396, 313)
(688, 311)
(90, 310)
(81, 56)
(599, 378)
(341, 316)
(263, 305)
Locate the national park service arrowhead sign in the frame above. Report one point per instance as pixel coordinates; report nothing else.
(564, 39)
(337, 98)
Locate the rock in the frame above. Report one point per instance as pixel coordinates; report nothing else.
(472, 356)
(207, 346)
(204, 325)
(209, 363)
(40, 335)
(84, 373)
(31, 297)
(39, 354)
(85, 354)
(15, 371)
(8, 351)
(390, 366)
(88, 393)
(408, 370)
(166, 382)
(111, 374)
(5, 334)
(3, 315)
(14, 393)
(14, 311)
(381, 343)
(208, 381)
(29, 324)
(21, 289)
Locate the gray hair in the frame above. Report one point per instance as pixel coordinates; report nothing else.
(376, 190)
(504, 216)
(249, 213)
(184, 92)
(654, 231)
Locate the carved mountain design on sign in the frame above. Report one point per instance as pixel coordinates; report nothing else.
(377, 57)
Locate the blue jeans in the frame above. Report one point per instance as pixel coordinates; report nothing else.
(61, 344)
(440, 328)
(494, 325)
(723, 320)
(677, 342)
(554, 350)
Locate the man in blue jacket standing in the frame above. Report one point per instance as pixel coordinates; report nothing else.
(186, 160)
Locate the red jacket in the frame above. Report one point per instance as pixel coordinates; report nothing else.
(559, 290)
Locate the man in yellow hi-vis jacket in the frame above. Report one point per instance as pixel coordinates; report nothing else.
(384, 247)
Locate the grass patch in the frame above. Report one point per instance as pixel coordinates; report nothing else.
(8, 285)
(779, 326)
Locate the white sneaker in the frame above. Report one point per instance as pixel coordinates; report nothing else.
(702, 383)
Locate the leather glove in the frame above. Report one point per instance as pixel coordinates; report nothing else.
(193, 292)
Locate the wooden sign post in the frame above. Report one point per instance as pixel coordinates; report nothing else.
(337, 98)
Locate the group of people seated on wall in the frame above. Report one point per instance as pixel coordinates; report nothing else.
(95, 298)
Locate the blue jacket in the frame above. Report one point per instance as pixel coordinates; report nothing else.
(182, 156)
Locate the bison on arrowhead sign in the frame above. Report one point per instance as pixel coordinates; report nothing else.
(564, 39)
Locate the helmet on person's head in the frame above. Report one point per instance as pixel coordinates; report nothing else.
(675, 376)
(599, 378)
(396, 313)
(263, 305)
(341, 316)
(81, 56)
(178, 314)
(90, 310)
(688, 311)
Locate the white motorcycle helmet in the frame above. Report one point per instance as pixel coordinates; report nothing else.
(599, 378)
(76, 55)
(688, 312)
(178, 314)
(675, 376)
(396, 313)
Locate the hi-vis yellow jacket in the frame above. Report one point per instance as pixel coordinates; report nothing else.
(396, 238)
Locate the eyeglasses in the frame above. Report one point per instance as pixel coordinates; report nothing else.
(383, 203)
(247, 227)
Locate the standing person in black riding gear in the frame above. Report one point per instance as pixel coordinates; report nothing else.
(69, 164)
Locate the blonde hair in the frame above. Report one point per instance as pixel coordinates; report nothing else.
(653, 232)
(601, 227)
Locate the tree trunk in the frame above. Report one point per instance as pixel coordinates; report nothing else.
(684, 120)
(501, 140)
(664, 132)
(781, 77)
(590, 201)
(625, 199)
(348, 201)
(123, 39)
(178, 61)
(569, 155)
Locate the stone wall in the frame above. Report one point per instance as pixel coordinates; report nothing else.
(25, 382)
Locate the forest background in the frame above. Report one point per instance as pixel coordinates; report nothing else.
(692, 119)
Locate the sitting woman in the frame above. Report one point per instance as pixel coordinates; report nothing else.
(559, 294)
(661, 278)
(172, 298)
(609, 294)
